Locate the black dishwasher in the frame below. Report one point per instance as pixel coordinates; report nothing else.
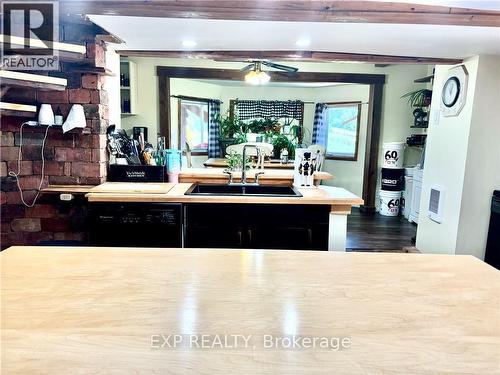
(135, 224)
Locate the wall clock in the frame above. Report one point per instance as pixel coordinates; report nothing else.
(454, 92)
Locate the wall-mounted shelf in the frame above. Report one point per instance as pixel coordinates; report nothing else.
(67, 52)
(89, 69)
(424, 79)
(27, 80)
(128, 88)
(20, 110)
(67, 47)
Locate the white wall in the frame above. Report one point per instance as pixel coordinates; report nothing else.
(482, 169)
(463, 157)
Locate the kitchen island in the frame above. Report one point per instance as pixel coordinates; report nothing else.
(117, 310)
(321, 211)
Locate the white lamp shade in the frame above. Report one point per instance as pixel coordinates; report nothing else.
(257, 77)
(75, 119)
(46, 116)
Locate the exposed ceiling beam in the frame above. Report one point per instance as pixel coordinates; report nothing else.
(276, 76)
(286, 10)
(308, 56)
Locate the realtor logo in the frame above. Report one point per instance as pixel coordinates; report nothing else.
(29, 30)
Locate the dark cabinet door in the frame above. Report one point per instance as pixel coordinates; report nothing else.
(214, 225)
(278, 238)
(214, 237)
(259, 226)
(288, 237)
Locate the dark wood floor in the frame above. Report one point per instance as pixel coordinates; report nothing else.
(374, 232)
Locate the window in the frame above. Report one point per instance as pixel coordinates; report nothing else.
(342, 121)
(193, 125)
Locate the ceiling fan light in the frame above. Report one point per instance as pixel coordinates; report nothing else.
(264, 78)
(252, 77)
(257, 77)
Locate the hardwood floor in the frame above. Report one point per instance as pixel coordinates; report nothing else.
(374, 232)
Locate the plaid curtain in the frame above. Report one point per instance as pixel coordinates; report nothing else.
(249, 109)
(213, 129)
(319, 126)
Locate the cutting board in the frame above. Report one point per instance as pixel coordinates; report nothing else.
(133, 188)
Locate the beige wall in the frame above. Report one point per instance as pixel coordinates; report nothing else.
(463, 157)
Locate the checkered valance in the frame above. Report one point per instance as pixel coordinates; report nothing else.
(248, 109)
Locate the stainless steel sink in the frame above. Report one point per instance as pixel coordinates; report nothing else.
(243, 190)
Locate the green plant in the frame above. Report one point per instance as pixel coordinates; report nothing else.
(235, 162)
(263, 126)
(255, 126)
(280, 142)
(228, 126)
(240, 137)
(297, 133)
(419, 98)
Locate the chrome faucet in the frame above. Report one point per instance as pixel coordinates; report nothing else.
(244, 164)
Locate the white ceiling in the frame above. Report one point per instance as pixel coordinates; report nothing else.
(146, 33)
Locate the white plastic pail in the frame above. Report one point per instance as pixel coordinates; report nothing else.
(393, 154)
(389, 202)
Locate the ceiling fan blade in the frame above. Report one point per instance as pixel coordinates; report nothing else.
(286, 68)
(248, 67)
(233, 60)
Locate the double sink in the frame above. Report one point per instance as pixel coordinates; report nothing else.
(243, 190)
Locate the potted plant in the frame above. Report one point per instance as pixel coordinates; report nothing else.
(252, 129)
(419, 98)
(229, 130)
(280, 142)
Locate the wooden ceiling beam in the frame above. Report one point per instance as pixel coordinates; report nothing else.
(287, 10)
(305, 56)
(276, 76)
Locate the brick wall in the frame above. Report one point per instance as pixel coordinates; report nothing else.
(75, 158)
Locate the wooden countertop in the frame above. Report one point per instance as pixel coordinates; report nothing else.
(68, 189)
(100, 310)
(270, 176)
(117, 192)
(222, 163)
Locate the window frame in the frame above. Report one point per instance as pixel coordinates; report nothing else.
(179, 123)
(358, 126)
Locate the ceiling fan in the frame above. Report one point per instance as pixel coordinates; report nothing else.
(256, 76)
(256, 64)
